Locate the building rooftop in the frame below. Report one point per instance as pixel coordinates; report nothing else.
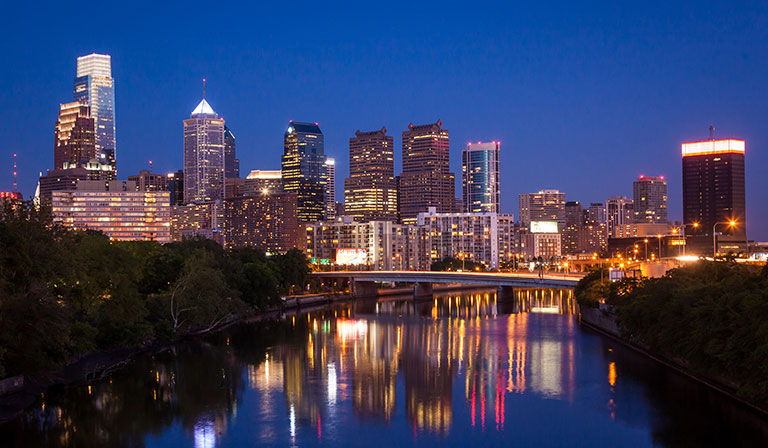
(203, 109)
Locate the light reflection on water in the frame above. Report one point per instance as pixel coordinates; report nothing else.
(464, 368)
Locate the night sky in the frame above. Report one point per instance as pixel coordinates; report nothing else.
(584, 98)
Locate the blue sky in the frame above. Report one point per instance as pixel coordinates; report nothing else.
(584, 97)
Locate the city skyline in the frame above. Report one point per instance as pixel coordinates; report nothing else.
(613, 159)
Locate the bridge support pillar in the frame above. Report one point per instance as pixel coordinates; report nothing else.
(364, 289)
(505, 293)
(422, 290)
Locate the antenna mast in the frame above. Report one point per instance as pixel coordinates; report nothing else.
(15, 184)
(711, 132)
(203, 88)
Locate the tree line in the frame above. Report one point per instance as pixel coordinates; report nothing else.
(66, 293)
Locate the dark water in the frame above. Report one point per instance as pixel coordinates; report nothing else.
(459, 370)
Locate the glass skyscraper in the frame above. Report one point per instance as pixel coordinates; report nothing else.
(95, 86)
(480, 177)
(203, 155)
(303, 169)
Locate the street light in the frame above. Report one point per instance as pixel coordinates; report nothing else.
(646, 248)
(731, 223)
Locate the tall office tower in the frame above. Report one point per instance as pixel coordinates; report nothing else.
(175, 185)
(75, 139)
(231, 162)
(370, 191)
(329, 179)
(203, 155)
(95, 86)
(650, 199)
(303, 166)
(573, 234)
(546, 205)
(713, 187)
(480, 177)
(619, 211)
(426, 180)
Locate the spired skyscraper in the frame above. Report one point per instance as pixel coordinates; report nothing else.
(94, 86)
(370, 191)
(303, 169)
(426, 180)
(203, 155)
(480, 177)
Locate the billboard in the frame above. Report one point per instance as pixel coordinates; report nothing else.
(543, 227)
(351, 256)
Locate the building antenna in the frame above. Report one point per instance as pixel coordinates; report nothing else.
(711, 132)
(15, 173)
(150, 166)
(203, 88)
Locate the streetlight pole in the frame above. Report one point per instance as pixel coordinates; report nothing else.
(645, 240)
(731, 223)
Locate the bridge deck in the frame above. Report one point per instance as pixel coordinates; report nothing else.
(516, 279)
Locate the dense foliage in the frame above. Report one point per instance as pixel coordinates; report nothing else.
(66, 293)
(455, 264)
(710, 316)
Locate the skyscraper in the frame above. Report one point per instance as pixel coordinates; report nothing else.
(713, 187)
(619, 211)
(573, 234)
(303, 166)
(546, 205)
(329, 175)
(426, 180)
(231, 162)
(75, 139)
(175, 186)
(480, 177)
(370, 191)
(94, 85)
(203, 155)
(650, 200)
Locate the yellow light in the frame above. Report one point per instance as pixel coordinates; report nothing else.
(732, 223)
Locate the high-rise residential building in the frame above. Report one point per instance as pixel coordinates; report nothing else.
(329, 176)
(203, 155)
(204, 219)
(263, 182)
(370, 191)
(148, 181)
(480, 177)
(546, 205)
(95, 86)
(116, 208)
(74, 135)
(619, 211)
(426, 180)
(573, 234)
(303, 166)
(650, 200)
(231, 162)
(713, 188)
(266, 221)
(175, 186)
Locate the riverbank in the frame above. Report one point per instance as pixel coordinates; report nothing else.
(603, 321)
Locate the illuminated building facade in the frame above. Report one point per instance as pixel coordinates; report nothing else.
(619, 211)
(329, 175)
(74, 135)
(175, 186)
(116, 208)
(426, 180)
(147, 181)
(203, 219)
(370, 191)
(265, 221)
(303, 169)
(203, 155)
(713, 187)
(480, 177)
(263, 181)
(548, 246)
(67, 178)
(231, 162)
(546, 205)
(95, 86)
(468, 236)
(650, 200)
(573, 234)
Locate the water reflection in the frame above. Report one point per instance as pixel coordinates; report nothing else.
(462, 366)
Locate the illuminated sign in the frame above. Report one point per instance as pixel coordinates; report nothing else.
(543, 227)
(351, 256)
(713, 147)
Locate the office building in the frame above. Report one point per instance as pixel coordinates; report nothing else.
(480, 177)
(329, 176)
(650, 200)
(234, 187)
(619, 211)
(74, 135)
(426, 180)
(573, 237)
(262, 182)
(265, 221)
(541, 240)
(115, 208)
(205, 219)
(370, 191)
(95, 86)
(231, 162)
(68, 177)
(147, 181)
(546, 205)
(203, 155)
(175, 186)
(303, 168)
(714, 191)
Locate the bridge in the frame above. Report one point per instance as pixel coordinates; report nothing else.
(363, 283)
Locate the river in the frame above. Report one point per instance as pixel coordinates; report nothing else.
(462, 369)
